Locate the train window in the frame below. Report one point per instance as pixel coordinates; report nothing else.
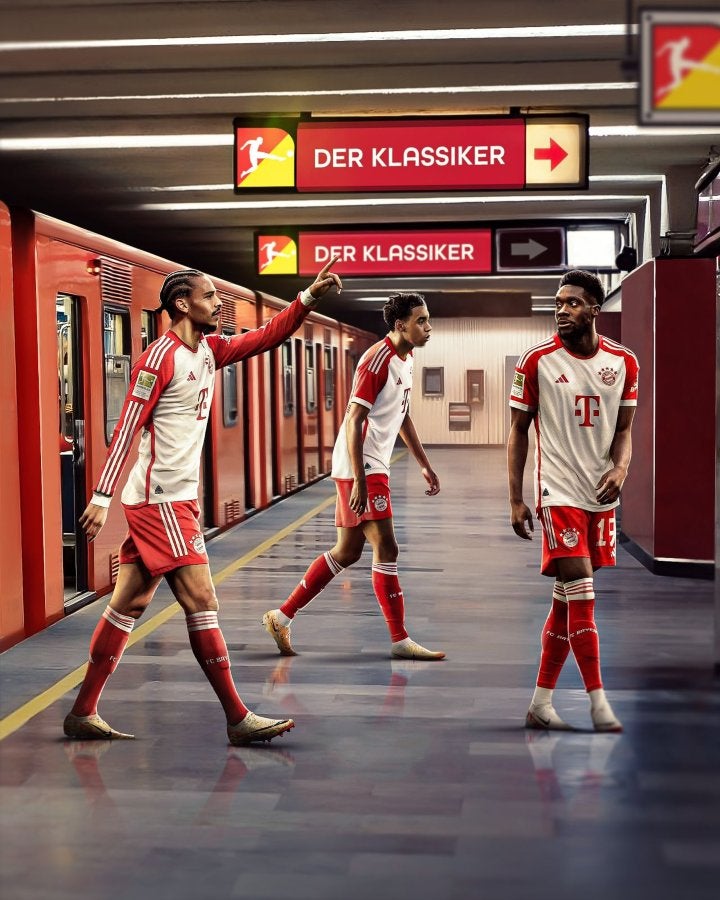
(116, 345)
(329, 375)
(288, 382)
(310, 398)
(148, 328)
(230, 392)
(63, 313)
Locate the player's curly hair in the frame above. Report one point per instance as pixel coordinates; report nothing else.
(587, 281)
(399, 306)
(177, 284)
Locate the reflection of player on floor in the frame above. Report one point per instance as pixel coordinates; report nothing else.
(679, 66)
(580, 389)
(169, 400)
(256, 155)
(376, 414)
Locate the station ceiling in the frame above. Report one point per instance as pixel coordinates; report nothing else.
(117, 116)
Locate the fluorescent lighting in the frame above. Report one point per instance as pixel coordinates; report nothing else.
(225, 139)
(117, 141)
(341, 37)
(327, 203)
(602, 131)
(350, 92)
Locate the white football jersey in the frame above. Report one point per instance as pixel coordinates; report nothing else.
(382, 383)
(169, 398)
(576, 400)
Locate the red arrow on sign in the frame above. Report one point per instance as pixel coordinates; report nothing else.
(554, 153)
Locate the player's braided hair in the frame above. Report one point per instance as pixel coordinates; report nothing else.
(177, 284)
(400, 305)
(587, 281)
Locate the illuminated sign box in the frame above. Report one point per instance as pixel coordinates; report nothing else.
(366, 253)
(680, 67)
(542, 246)
(419, 154)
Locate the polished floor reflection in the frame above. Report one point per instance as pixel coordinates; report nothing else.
(401, 779)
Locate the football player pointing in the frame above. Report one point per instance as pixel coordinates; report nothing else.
(168, 400)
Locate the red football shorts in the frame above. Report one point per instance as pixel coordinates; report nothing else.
(569, 531)
(164, 536)
(378, 505)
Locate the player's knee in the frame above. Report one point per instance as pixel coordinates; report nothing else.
(136, 607)
(206, 601)
(388, 550)
(346, 556)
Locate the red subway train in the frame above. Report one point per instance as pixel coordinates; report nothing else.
(80, 310)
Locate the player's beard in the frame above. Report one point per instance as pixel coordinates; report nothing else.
(209, 327)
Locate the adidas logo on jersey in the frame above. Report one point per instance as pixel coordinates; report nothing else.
(546, 493)
(159, 490)
(399, 381)
(562, 380)
(191, 377)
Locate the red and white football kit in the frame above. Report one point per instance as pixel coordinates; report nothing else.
(169, 398)
(382, 383)
(576, 401)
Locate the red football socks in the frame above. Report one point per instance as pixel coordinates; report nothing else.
(554, 641)
(390, 597)
(106, 647)
(582, 632)
(210, 649)
(320, 573)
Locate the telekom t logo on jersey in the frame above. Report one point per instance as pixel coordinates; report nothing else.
(588, 407)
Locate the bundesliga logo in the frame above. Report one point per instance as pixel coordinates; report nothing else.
(608, 376)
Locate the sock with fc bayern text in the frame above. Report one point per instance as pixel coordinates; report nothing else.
(390, 597)
(582, 632)
(319, 574)
(554, 640)
(109, 640)
(210, 649)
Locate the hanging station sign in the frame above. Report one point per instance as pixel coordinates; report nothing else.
(496, 248)
(434, 251)
(419, 154)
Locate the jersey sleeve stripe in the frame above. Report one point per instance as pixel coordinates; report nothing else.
(114, 463)
(157, 353)
(378, 360)
(518, 405)
(545, 345)
(614, 347)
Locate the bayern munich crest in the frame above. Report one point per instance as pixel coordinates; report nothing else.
(608, 376)
(380, 503)
(569, 537)
(197, 542)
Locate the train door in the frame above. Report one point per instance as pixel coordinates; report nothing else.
(72, 445)
(328, 355)
(311, 416)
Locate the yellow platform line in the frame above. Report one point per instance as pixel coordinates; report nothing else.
(32, 708)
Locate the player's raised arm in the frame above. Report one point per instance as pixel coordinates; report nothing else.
(322, 284)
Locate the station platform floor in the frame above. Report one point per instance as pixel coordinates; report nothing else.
(401, 779)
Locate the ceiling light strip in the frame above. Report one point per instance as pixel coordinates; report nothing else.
(325, 203)
(340, 37)
(350, 92)
(143, 141)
